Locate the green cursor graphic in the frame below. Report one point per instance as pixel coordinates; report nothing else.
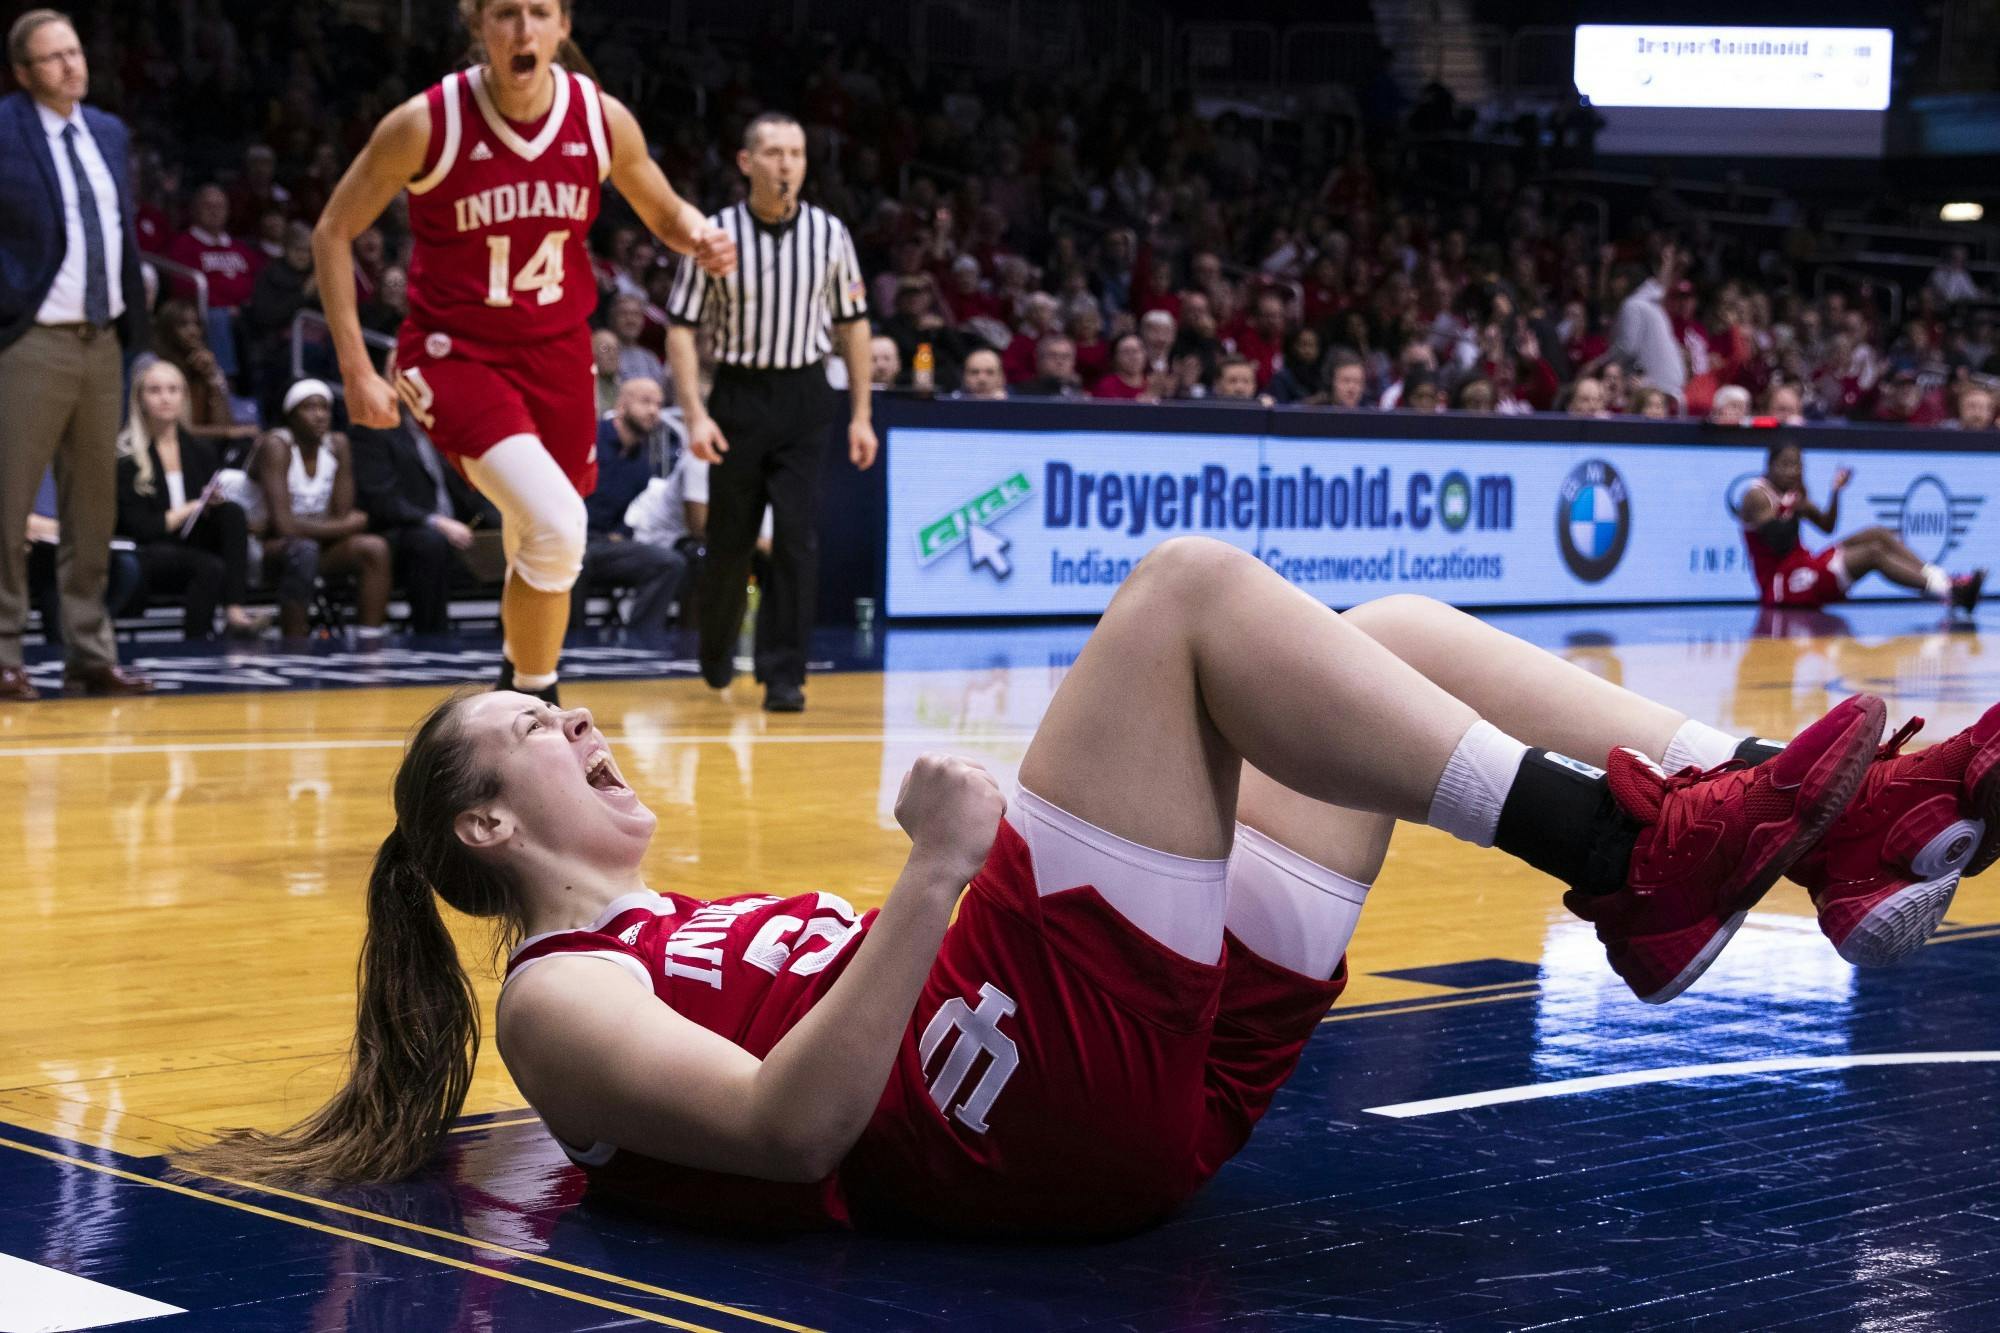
(970, 525)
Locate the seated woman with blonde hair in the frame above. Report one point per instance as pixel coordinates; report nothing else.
(189, 539)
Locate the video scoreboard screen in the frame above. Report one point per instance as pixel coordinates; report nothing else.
(1714, 90)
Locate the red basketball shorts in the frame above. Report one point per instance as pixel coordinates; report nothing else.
(1065, 1074)
(470, 395)
(1805, 579)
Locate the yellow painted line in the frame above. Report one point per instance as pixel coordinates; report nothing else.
(464, 1265)
(1985, 932)
(521, 1256)
(1338, 1017)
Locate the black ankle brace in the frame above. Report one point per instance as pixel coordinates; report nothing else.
(1560, 818)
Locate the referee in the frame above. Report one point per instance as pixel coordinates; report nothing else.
(772, 323)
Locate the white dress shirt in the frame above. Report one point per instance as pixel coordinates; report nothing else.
(64, 303)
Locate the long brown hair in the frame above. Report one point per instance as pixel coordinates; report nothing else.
(569, 55)
(416, 1017)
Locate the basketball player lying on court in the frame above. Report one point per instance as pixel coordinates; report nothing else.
(1153, 930)
(1790, 575)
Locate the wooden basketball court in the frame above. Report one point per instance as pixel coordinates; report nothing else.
(183, 897)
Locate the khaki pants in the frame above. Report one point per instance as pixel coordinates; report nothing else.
(60, 398)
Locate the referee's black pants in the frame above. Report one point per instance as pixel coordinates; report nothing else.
(775, 423)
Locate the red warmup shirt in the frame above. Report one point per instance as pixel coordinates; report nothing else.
(500, 212)
(1110, 386)
(229, 265)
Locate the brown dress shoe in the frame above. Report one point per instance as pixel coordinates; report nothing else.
(15, 687)
(110, 679)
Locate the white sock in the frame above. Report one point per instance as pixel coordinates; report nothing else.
(1937, 583)
(1289, 910)
(1698, 745)
(528, 684)
(1475, 783)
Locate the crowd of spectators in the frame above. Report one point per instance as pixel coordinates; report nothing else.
(1036, 235)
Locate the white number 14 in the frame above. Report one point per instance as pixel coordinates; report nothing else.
(542, 274)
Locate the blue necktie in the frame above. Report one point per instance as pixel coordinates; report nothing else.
(96, 285)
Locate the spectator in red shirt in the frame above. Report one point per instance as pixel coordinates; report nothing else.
(257, 191)
(207, 247)
(1041, 316)
(1325, 294)
(1903, 401)
(1154, 289)
(1127, 378)
(967, 296)
(1262, 340)
(1086, 329)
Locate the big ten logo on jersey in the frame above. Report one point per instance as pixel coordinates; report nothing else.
(976, 1033)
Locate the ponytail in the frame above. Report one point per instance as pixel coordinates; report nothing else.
(416, 1033)
(570, 56)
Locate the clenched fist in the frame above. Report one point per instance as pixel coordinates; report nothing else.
(951, 809)
(715, 252)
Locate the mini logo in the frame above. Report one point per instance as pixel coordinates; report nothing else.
(576, 149)
(1929, 518)
(481, 153)
(437, 346)
(970, 525)
(857, 292)
(631, 934)
(1593, 520)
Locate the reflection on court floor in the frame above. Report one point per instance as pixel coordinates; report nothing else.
(1489, 1133)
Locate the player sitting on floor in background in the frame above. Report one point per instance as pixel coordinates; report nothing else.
(1790, 575)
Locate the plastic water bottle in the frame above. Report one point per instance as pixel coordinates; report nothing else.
(923, 369)
(746, 637)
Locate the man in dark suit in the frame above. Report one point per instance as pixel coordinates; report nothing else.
(70, 298)
(422, 508)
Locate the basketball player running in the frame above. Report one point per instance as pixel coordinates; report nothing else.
(1153, 930)
(1789, 575)
(504, 163)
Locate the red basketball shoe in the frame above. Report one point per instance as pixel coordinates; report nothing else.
(1965, 591)
(1886, 870)
(1713, 842)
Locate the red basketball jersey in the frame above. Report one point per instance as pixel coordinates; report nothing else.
(501, 213)
(1768, 561)
(745, 968)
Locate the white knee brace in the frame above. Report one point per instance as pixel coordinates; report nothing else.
(543, 521)
(546, 552)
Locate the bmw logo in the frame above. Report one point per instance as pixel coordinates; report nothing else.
(1593, 520)
(1732, 499)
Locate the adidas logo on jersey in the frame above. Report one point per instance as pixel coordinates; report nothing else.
(576, 150)
(631, 934)
(481, 153)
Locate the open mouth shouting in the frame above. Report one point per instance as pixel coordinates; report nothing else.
(522, 64)
(602, 774)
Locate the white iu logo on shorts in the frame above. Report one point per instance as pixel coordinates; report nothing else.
(979, 1031)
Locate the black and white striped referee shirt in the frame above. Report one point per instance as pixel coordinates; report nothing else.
(793, 282)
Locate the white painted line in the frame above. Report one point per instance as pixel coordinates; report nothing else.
(34, 1299)
(941, 740)
(1528, 1092)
